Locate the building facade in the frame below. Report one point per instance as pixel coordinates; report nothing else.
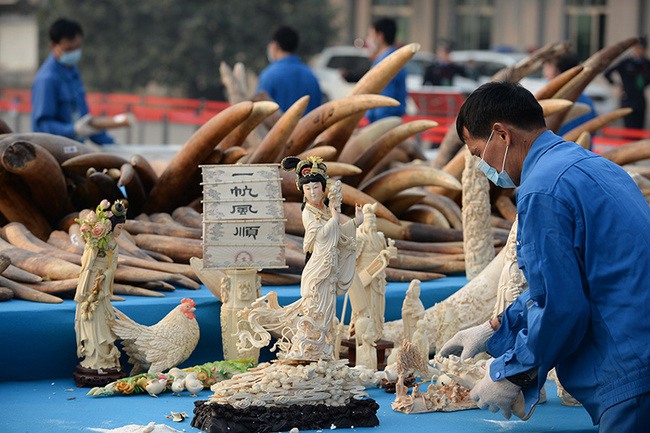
(519, 25)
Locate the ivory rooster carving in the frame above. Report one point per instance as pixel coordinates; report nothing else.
(159, 347)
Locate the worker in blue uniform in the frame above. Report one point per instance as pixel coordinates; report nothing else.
(58, 96)
(583, 244)
(381, 40)
(287, 78)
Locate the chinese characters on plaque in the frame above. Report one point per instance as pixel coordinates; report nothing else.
(243, 217)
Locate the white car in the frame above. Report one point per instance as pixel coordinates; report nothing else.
(339, 68)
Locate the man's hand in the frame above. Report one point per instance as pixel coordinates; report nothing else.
(82, 127)
(468, 342)
(495, 396)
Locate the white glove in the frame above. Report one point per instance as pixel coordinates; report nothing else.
(82, 127)
(492, 395)
(468, 342)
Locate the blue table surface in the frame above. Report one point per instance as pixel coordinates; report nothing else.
(38, 395)
(38, 340)
(57, 406)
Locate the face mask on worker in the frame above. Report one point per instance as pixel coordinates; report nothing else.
(71, 58)
(501, 178)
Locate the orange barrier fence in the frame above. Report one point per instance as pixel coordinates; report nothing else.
(144, 108)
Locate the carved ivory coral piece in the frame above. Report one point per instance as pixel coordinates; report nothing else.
(444, 393)
(476, 210)
(469, 306)
(281, 384)
(243, 231)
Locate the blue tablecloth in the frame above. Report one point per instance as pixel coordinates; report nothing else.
(38, 395)
(37, 340)
(57, 406)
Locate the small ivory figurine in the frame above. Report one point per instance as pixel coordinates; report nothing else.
(100, 362)
(412, 309)
(365, 339)
(420, 339)
(373, 255)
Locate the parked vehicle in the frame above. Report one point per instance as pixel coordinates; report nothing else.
(481, 65)
(338, 68)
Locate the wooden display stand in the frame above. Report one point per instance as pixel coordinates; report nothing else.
(382, 345)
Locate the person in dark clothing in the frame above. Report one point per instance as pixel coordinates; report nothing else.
(634, 73)
(443, 70)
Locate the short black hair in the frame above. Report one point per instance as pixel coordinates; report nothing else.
(287, 38)
(567, 61)
(387, 27)
(499, 101)
(64, 28)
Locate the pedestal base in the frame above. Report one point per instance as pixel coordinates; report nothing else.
(381, 347)
(222, 418)
(90, 378)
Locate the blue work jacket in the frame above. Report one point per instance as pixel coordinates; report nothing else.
(583, 244)
(395, 89)
(287, 80)
(59, 99)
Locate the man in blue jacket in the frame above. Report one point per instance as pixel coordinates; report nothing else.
(287, 78)
(583, 244)
(58, 95)
(381, 37)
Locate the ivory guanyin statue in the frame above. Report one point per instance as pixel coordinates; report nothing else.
(307, 327)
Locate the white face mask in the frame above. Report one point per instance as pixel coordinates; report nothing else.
(71, 58)
(501, 178)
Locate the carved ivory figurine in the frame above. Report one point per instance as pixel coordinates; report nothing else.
(308, 326)
(373, 255)
(412, 310)
(477, 229)
(100, 362)
(366, 351)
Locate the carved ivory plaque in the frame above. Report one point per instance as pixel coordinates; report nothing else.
(243, 217)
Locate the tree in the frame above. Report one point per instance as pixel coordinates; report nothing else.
(179, 44)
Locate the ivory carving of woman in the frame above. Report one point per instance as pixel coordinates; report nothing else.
(308, 326)
(94, 312)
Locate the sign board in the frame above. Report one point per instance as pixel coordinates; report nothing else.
(243, 217)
